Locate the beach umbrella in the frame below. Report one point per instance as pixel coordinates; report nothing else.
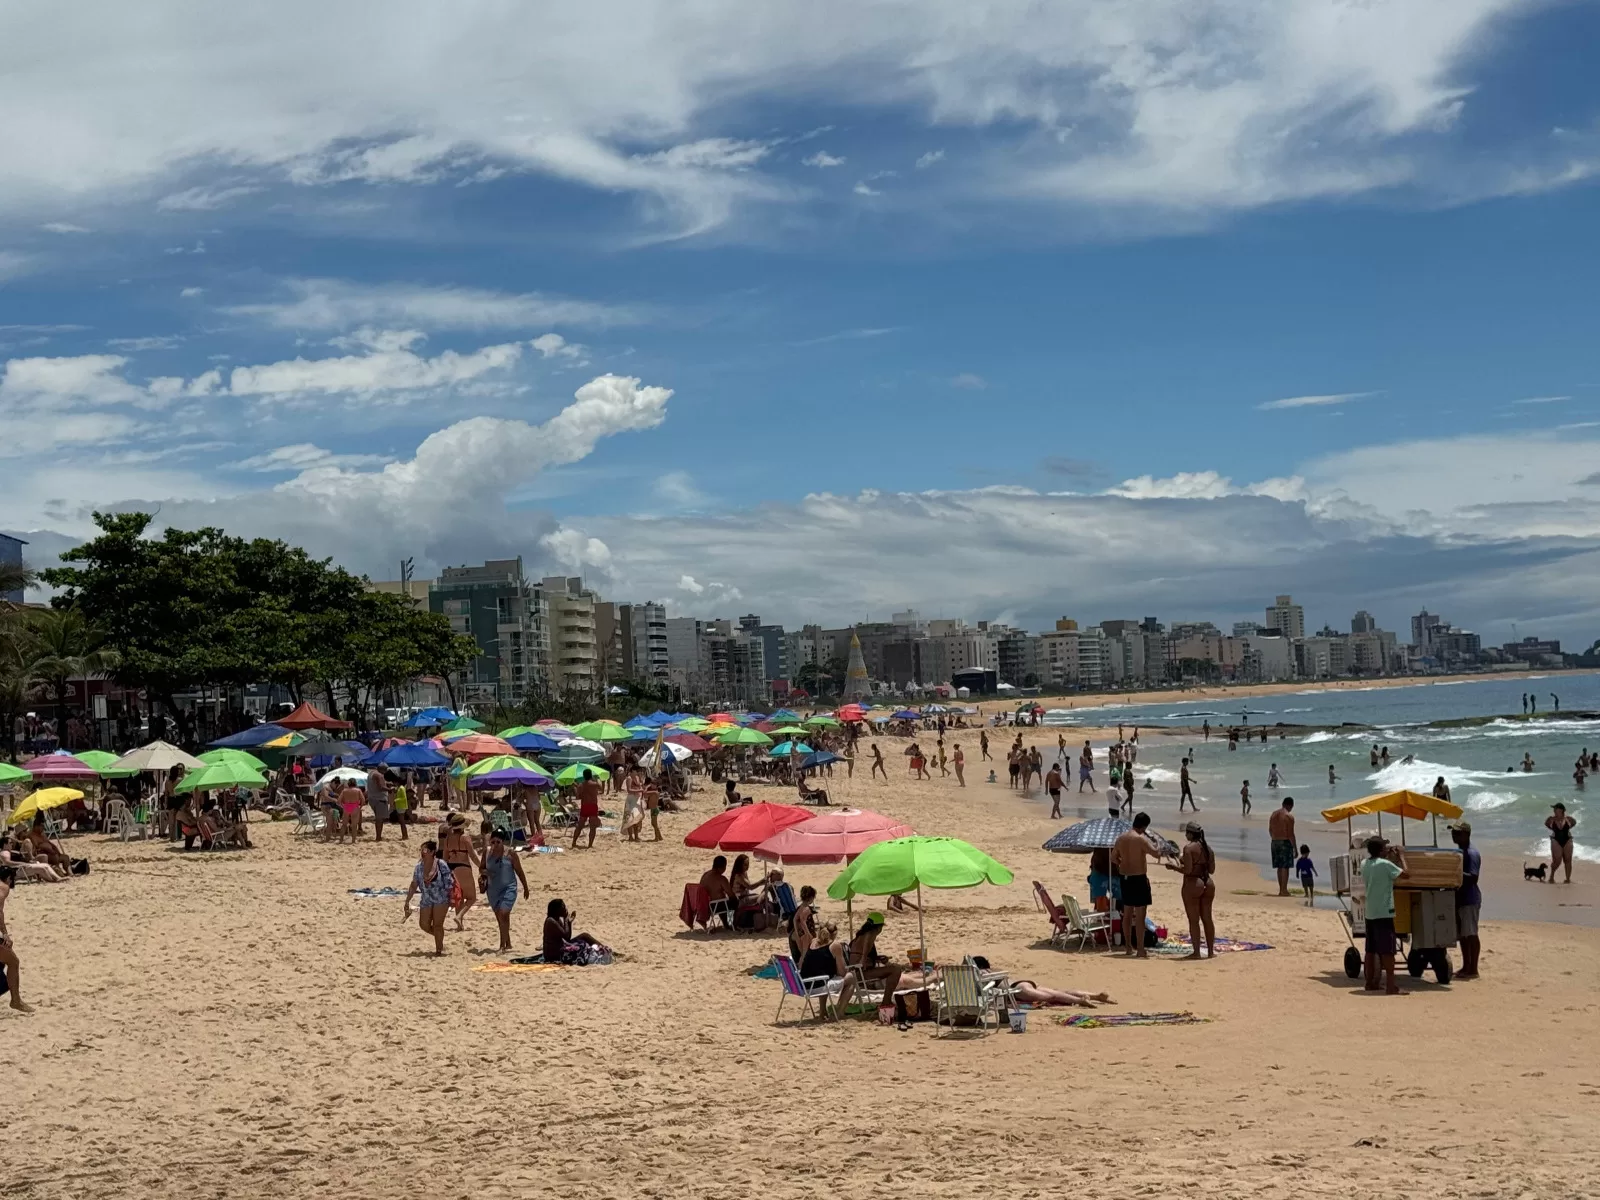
(427, 719)
(689, 741)
(242, 757)
(515, 731)
(573, 775)
(934, 708)
(643, 733)
(342, 775)
(449, 735)
(105, 764)
(214, 776)
(59, 766)
(743, 737)
(822, 722)
(906, 714)
(727, 718)
(532, 742)
(673, 750)
(466, 723)
(850, 712)
(10, 774)
(479, 745)
(1101, 833)
(505, 762)
(789, 731)
(256, 735)
(831, 837)
(281, 742)
(894, 867)
(818, 758)
(44, 798)
(325, 747)
(746, 826)
(490, 780)
(602, 731)
(309, 716)
(784, 749)
(783, 714)
(691, 724)
(574, 752)
(410, 754)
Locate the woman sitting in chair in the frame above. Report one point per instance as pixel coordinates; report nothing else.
(809, 795)
(862, 953)
(825, 960)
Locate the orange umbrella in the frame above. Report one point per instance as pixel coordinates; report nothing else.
(480, 745)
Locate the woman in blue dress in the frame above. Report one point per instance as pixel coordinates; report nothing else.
(502, 872)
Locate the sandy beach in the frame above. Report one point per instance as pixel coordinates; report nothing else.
(237, 1023)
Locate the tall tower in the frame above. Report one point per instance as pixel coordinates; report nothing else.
(856, 684)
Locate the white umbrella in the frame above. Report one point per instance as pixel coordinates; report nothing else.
(157, 756)
(584, 742)
(342, 775)
(675, 752)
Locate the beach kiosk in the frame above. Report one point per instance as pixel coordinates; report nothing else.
(1424, 902)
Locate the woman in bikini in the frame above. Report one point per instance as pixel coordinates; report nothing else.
(1560, 827)
(434, 881)
(1197, 863)
(460, 856)
(652, 805)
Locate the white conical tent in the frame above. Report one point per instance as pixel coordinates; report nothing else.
(856, 682)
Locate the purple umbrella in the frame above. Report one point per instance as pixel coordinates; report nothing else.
(510, 775)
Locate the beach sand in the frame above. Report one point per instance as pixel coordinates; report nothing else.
(237, 1024)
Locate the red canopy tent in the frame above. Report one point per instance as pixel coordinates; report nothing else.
(309, 716)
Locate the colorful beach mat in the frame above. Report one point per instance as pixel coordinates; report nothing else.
(1107, 1020)
(504, 968)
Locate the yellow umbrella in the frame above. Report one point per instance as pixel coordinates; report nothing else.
(42, 799)
(284, 742)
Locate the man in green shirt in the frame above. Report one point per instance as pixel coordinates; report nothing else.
(1383, 866)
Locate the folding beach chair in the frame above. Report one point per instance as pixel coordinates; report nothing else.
(962, 994)
(1060, 927)
(554, 815)
(818, 989)
(783, 893)
(306, 819)
(1084, 926)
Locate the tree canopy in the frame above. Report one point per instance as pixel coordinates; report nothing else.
(192, 608)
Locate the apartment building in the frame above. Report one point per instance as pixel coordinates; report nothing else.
(576, 656)
(508, 618)
(642, 633)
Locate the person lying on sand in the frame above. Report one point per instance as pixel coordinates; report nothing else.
(1029, 992)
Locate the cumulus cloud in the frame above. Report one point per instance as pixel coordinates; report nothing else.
(553, 345)
(338, 304)
(969, 381)
(388, 367)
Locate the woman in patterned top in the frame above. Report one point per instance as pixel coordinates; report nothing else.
(435, 882)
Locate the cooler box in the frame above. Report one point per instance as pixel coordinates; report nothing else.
(1430, 917)
(1432, 867)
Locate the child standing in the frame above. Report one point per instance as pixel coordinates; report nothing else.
(1307, 870)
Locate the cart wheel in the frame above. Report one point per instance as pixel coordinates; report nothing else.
(1416, 963)
(1442, 969)
(1352, 963)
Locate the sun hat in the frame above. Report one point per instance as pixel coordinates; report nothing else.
(875, 918)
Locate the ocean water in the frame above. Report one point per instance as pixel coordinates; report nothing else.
(1482, 764)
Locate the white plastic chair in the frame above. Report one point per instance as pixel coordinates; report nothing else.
(117, 817)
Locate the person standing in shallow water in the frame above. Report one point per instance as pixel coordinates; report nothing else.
(1560, 826)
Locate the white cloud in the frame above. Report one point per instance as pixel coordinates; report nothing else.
(1542, 400)
(862, 189)
(924, 161)
(969, 381)
(1313, 401)
(14, 264)
(678, 489)
(389, 366)
(687, 583)
(336, 304)
(823, 160)
(164, 342)
(203, 199)
(62, 227)
(303, 456)
(714, 153)
(189, 293)
(553, 345)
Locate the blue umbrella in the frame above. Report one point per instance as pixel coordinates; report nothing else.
(1100, 833)
(784, 715)
(644, 734)
(411, 755)
(533, 743)
(782, 749)
(818, 758)
(256, 735)
(905, 714)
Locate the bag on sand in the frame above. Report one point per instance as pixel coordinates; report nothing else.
(913, 1006)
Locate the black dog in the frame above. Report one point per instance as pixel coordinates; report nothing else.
(1534, 872)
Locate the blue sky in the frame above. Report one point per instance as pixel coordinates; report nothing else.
(825, 310)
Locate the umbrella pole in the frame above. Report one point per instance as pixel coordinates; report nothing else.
(922, 938)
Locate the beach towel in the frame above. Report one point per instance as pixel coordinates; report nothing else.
(541, 850)
(696, 906)
(383, 893)
(1107, 1020)
(502, 968)
(767, 970)
(1180, 946)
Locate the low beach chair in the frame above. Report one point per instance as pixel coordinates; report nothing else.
(306, 819)
(1060, 927)
(817, 990)
(961, 993)
(783, 894)
(555, 816)
(1085, 926)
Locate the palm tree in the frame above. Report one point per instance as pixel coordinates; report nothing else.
(65, 646)
(14, 577)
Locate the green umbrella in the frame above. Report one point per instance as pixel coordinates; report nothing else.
(221, 775)
(692, 724)
(101, 761)
(741, 735)
(602, 731)
(893, 867)
(516, 731)
(464, 723)
(822, 720)
(504, 762)
(573, 775)
(242, 757)
(10, 774)
(789, 731)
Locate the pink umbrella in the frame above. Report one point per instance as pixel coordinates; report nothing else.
(831, 837)
(59, 766)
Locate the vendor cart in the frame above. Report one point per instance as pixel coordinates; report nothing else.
(1424, 901)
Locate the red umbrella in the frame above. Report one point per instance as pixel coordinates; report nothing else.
(832, 837)
(746, 827)
(689, 741)
(59, 766)
(479, 745)
(309, 716)
(715, 717)
(851, 712)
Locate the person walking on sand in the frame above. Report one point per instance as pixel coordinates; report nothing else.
(1086, 768)
(10, 965)
(1244, 798)
(983, 745)
(433, 879)
(1560, 826)
(502, 872)
(1186, 788)
(652, 805)
(960, 764)
(1280, 828)
(1197, 863)
(877, 764)
(1130, 856)
(1469, 899)
(588, 809)
(1384, 865)
(633, 805)
(461, 856)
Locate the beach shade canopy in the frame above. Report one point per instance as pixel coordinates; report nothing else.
(256, 735)
(822, 721)
(783, 714)
(222, 775)
(905, 714)
(505, 762)
(784, 749)
(673, 751)
(326, 747)
(59, 766)
(532, 742)
(1100, 834)
(309, 716)
(573, 775)
(746, 826)
(689, 741)
(44, 798)
(423, 720)
(818, 758)
(480, 745)
(283, 741)
(832, 837)
(738, 736)
(510, 777)
(787, 731)
(451, 735)
(602, 731)
(163, 756)
(515, 731)
(726, 718)
(409, 754)
(1414, 805)
(851, 712)
(242, 757)
(105, 764)
(10, 774)
(692, 724)
(573, 751)
(466, 723)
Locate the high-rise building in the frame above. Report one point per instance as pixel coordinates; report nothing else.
(11, 553)
(1363, 622)
(685, 661)
(508, 619)
(608, 640)
(1287, 617)
(575, 653)
(643, 634)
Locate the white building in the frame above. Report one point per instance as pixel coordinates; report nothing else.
(1287, 617)
(576, 663)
